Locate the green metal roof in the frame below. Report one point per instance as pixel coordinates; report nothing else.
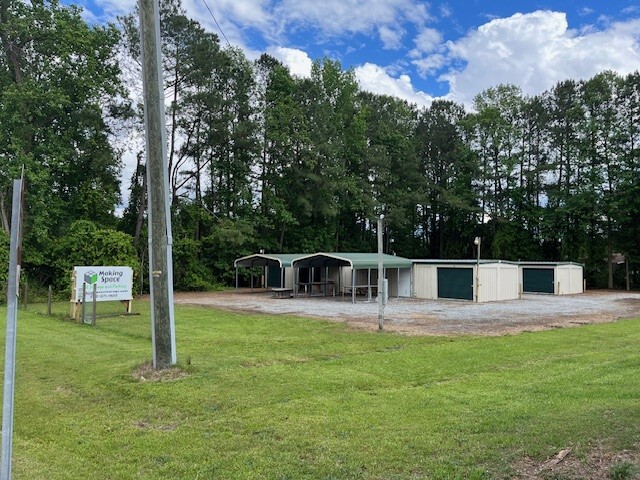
(282, 260)
(357, 261)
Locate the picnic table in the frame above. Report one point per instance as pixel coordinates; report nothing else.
(323, 288)
(282, 292)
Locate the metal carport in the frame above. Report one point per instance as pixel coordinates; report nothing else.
(357, 264)
(283, 261)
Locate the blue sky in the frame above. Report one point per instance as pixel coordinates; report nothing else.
(424, 50)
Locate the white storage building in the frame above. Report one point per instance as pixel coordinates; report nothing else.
(556, 278)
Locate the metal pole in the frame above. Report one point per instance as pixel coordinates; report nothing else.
(12, 325)
(626, 261)
(159, 201)
(84, 301)
(380, 276)
(478, 242)
(94, 305)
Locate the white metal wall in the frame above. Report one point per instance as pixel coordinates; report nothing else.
(288, 277)
(569, 279)
(399, 282)
(425, 281)
(498, 281)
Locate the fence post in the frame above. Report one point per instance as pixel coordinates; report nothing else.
(84, 298)
(49, 300)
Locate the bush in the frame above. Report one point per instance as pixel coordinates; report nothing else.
(87, 245)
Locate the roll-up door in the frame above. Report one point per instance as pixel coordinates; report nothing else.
(537, 280)
(455, 283)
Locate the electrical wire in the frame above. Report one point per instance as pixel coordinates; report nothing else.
(216, 21)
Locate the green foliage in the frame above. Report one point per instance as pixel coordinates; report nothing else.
(228, 240)
(514, 242)
(59, 89)
(623, 471)
(189, 272)
(85, 244)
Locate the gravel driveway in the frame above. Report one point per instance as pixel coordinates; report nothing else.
(438, 317)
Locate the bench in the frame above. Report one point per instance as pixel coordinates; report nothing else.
(282, 292)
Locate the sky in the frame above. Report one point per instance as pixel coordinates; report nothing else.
(421, 51)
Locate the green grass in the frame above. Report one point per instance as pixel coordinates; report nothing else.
(274, 397)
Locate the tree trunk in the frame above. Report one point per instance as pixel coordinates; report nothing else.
(4, 213)
(143, 201)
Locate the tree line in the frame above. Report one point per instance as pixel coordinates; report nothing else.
(259, 159)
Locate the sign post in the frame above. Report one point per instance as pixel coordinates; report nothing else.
(15, 254)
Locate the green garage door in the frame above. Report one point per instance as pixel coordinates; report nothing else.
(537, 280)
(455, 283)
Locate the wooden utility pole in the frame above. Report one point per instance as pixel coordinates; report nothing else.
(158, 199)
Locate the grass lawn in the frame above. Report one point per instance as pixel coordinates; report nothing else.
(276, 397)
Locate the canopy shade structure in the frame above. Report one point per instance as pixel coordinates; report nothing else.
(332, 271)
(281, 260)
(275, 266)
(357, 261)
(359, 267)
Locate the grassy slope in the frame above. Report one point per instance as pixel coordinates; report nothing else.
(286, 398)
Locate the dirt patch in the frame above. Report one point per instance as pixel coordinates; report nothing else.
(146, 373)
(599, 463)
(412, 316)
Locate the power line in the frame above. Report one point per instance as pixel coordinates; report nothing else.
(217, 24)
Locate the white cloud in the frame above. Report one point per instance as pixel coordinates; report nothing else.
(445, 10)
(336, 17)
(391, 37)
(113, 8)
(427, 41)
(375, 79)
(298, 61)
(537, 50)
(229, 13)
(431, 64)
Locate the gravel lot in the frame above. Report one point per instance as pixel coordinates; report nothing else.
(438, 317)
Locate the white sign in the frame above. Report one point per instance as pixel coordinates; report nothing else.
(112, 283)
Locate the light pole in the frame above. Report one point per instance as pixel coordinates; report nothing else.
(477, 241)
(380, 276)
